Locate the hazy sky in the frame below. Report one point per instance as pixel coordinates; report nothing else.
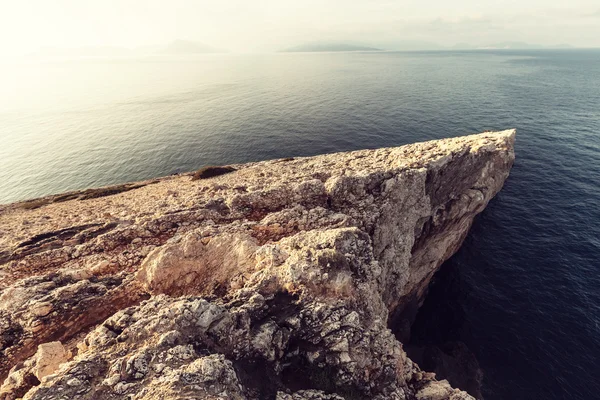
(266, 25)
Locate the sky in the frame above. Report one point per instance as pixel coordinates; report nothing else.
(270, 25)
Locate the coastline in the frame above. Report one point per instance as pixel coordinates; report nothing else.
(402, 211)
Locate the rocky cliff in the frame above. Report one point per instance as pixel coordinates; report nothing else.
(281, 279)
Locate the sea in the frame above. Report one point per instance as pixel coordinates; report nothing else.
(523, 293)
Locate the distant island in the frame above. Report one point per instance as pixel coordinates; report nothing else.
(418, 46)
(328, 47)
(183, 47)
(510, 46)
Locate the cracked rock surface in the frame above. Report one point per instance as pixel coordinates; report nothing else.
(279, 280)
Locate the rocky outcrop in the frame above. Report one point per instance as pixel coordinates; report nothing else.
(285, 279)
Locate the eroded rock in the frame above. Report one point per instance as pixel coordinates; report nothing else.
(278, 280)
(48, 359)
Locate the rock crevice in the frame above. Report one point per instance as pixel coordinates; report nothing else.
(278, 280)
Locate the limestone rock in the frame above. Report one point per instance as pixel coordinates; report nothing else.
(48, 358)
(281, 280)
(46, 361)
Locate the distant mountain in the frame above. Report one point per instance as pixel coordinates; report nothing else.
(513, 46)
(463, 46)
(561, 46)
(323, 47)
(509, 46)
(412, 45)
(189, 47)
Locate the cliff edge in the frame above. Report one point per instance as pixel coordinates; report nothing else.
(272, 280)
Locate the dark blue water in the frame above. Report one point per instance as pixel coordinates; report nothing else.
(524, 291)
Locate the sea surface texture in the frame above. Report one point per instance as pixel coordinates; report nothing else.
(524, 291)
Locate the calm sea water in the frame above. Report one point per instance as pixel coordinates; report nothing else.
(524, 291)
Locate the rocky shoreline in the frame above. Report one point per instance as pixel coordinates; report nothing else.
(272, 280)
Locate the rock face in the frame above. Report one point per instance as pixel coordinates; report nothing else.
(279, 280)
